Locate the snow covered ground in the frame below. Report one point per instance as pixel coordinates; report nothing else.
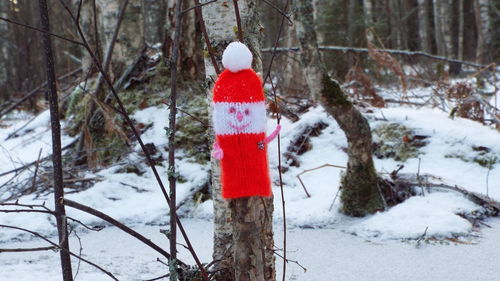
(383, 246)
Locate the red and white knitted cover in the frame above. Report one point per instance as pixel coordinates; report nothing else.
(239, 119)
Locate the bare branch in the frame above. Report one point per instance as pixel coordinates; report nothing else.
(282, 12)
(238, 20)
(17, 250)
(196, 6)
(390, 51)
(116, 223)
(211, 51)
(62, 249)
(40, 30)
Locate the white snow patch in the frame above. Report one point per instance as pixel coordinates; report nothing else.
(436, 212)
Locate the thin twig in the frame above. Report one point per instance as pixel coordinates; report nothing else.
(159, 277)
(203, 27)
(55, 125)
(79, 253)
(34, 162)
(63, 249)
(313, 169)
(334, 199)
(172, 176)
(33, 186)
(136, 134)
(282, 12)
(276, 43)
(41, 30)
(36, 91)
(390, 51)
(238, 20)
(116, 223)
(285, 260)
(17, 250)
(197, 6)
(278, 119)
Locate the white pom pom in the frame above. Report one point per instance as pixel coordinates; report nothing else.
(237, 57)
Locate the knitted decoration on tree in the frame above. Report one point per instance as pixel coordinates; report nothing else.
(240, 126)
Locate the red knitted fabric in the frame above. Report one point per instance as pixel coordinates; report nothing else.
(245, 171)
(242, 86)
(239, 123)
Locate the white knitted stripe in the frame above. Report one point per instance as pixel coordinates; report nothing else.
(226, 121)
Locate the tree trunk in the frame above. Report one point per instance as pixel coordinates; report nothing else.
(424, 29)
(461, 24)
(60, 212)
(360, 194)
(130, 39)
(88, 22)
(446, 25)
(369, 23)
(4, 96)
(396, 25)
(438, 28)
(351, 28)
(483, 24)
(243, 236)
(191, 63)
(154, 13)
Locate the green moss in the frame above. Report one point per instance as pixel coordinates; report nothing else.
(360, 195)
(483, 156)
(109, 148)
(332, 94)
(390, 142)
(191, 134)
(76, 112)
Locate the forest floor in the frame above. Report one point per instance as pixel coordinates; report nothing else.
(423, 238)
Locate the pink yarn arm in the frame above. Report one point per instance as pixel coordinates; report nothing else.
(217, 151)
(273, 135)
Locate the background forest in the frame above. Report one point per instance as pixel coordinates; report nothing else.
(389, 142)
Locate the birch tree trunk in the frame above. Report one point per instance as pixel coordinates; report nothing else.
(4, 29)
(461, 24)
(369, 23)
(192, 60)
(483, 24)
(438, 28)
(446, 25)
(88, 22)
(424, 28)
(243, 235)
(360, 194)
(395, 19)
(130, 38)
(154, 14)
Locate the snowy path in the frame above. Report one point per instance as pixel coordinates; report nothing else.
(328, 254)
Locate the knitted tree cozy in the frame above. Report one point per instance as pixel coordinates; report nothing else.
(240, 126)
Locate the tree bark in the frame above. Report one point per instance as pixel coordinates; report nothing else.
(3, 52)
(461, 24)
(483, 24)
(154, 13)
(438, 28)
(172, 178)
(88, 23)
(396, 25)
(424, 27)
(243, 235)
(60, 212)
(130, 39)
(369, 23)
(360, 194)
